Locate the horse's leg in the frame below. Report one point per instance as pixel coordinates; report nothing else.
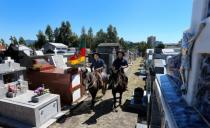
(120, 100)
(93, 95)
(93, 101)
(114, 96)
(104, 87)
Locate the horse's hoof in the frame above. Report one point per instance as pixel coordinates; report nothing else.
(115, 110)
(92, 110)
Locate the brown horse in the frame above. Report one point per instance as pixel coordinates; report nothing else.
(93, 82)
(118, 82)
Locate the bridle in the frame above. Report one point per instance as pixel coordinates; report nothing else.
(117, 80)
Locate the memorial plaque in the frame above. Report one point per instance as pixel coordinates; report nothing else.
(76, 95)
(75, 80)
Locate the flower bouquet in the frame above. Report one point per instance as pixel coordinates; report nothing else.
(41, 93)
(12, 90)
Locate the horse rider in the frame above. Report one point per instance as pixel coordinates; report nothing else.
(120, 64)
(98, 66)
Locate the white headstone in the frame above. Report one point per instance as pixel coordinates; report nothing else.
(58, 61)
(39, 53)
(75, 80)
(55, 51)
(9, 60)
(76, 95)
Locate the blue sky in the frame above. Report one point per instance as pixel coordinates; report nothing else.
(134, 19)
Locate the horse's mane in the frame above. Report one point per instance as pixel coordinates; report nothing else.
(119, 82)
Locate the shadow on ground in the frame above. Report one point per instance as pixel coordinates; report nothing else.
(139, 74)
(101, 109)
(138, 109)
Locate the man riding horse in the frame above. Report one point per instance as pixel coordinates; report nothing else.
(98, 66)
(118, 80)
(120, 64)
(96, 79)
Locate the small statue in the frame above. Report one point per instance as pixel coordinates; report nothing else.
(188, 42)
(185, 61)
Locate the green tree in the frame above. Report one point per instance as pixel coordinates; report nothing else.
(99, 38)
(13, 40)
(90, 38)
(22, 41)
(49, 33)
(116, 38)
(65, 33)
(83, 36)
(57, 34)
(41, 40)
(32, 46)
(112, 34)
(123, 43)
(143, 46)
(74, 40)
(2, 41)
(161, 46)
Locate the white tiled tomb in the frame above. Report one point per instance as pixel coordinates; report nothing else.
(19, 111)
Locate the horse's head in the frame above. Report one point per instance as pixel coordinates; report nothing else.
(85, 76)
(89, 79)
(84, 72)
(120, 71)
(119, 79)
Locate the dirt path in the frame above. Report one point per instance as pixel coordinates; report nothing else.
(103, 116)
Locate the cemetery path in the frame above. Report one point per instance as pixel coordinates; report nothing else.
(103, 116)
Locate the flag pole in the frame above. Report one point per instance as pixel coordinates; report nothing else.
(85, 53)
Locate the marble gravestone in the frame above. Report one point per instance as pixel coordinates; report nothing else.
(58, 62)
(19, 111)
(39, 53)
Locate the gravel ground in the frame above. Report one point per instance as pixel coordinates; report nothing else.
(103, 116)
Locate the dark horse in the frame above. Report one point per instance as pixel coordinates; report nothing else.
(93, 83)
(118, 82)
